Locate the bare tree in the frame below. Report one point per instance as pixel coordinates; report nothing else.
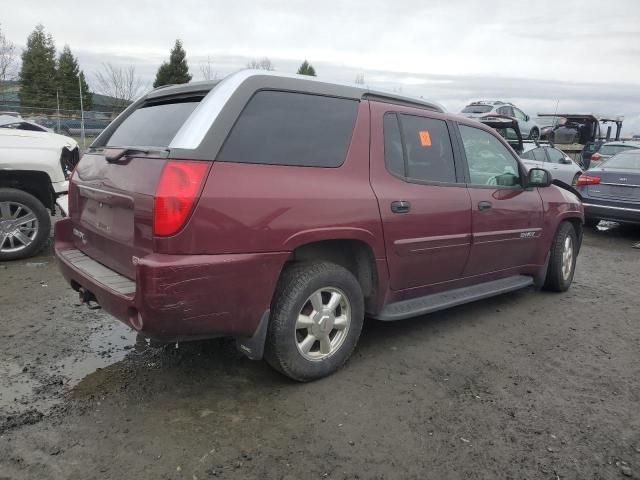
(8, 63)
(207, 70)
(120, 83)
(359, 79)
(263, 63)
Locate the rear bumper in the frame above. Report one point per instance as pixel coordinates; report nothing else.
(178, 297)
(617, 212)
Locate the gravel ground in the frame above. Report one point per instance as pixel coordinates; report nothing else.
(526, 385)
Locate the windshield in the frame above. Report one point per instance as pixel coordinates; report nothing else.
(153, 124)
(625, 161)
(613, 149)
(477, 109)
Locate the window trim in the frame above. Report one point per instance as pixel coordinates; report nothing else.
(467, 173)
(284, 90)
(457, 166)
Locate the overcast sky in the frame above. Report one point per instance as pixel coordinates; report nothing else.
(584, 53)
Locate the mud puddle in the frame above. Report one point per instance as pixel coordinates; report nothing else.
(38, 386)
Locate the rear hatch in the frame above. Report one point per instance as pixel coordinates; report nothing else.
(113, 187)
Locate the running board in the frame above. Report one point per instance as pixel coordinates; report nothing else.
(440, 301)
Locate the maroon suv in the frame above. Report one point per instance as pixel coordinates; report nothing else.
(280, 210)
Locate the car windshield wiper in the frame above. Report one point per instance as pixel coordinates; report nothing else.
(113, 155)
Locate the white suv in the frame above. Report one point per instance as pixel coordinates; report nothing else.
(479, 109)
(34, 172)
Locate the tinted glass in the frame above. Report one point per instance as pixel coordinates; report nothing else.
(489, 161)
(284, 128)
(625, 160)
(555, 156)
(393, 145)
(613, 149)
(427, 146)
(152, 125)
(477, 109)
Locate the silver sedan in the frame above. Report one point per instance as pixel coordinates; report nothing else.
(558, 163)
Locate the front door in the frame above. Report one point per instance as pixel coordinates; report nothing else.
(506, 218)
(424, 205)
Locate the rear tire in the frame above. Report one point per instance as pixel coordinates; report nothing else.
(562, 261)
(316, 318)
(534, 134)
(16, 205)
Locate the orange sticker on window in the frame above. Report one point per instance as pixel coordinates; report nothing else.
(425, 138)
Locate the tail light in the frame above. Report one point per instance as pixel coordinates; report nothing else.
(596, 157)
(176, 195)
(587, 180)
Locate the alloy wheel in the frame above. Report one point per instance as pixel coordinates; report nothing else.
(18, 226)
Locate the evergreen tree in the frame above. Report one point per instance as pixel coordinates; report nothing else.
(176, 70)
(306, 69)
(38, 72)
(69, 78)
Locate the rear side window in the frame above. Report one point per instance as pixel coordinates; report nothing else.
(284, 128)
(154, 124)
(425, 146)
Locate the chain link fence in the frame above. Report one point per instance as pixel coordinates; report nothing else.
(83, 126)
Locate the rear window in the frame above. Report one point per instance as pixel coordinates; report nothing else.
(285, 128)
(477, 109)
(626, 160)
(613, 149)
(154, 124)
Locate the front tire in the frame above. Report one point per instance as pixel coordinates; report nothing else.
(25, 224)
(562, 261)
(316, 318)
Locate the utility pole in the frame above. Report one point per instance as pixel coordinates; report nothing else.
(84, 146)
(58, 110)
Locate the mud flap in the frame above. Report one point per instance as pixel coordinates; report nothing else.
(62, 201)
(253, 347)
(541, 276)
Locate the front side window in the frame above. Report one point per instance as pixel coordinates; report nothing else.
(519, 114)
(419, 148)
(555, 156)
(488, 160)
(286, 128)
(536, 154)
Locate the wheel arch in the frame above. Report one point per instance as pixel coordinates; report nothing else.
(33, 182)
(355, 255)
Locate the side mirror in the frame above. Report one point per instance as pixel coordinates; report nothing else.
(527, 118)
(538, 177)
(566, 161)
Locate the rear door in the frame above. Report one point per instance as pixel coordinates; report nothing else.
(534, 158)
(111, 195)
(506, 218)
(561, 166)
(424, 205)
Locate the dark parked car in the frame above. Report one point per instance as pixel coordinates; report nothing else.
(611, 191)
(280, 210)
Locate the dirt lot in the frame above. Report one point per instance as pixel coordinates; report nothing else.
(527, 385)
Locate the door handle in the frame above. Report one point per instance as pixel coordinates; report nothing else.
(400, 206)
(484, 205)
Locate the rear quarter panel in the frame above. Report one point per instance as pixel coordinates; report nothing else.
(251, 208)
